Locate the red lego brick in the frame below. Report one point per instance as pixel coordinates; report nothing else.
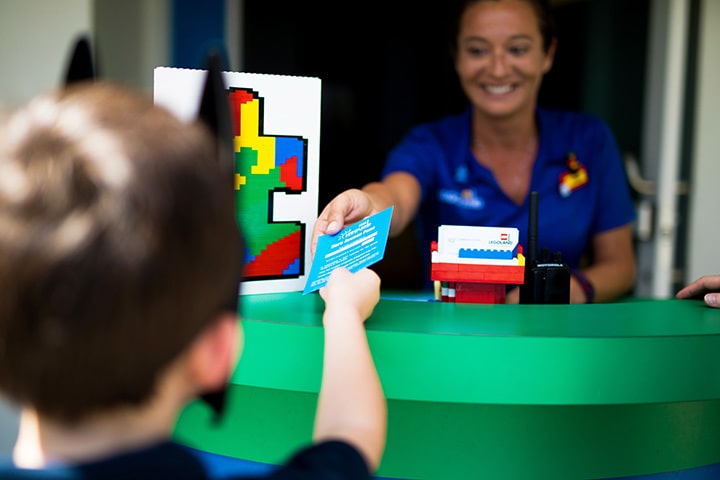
(460, 272)
(468, 292)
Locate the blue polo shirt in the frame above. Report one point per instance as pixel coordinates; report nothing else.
(457, 190)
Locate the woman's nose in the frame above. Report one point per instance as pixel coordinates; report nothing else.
(498, 65)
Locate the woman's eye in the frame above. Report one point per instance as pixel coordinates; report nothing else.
(519, 50)
(477, 51)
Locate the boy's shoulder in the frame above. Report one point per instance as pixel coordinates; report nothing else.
(164, 460)
(331, 459)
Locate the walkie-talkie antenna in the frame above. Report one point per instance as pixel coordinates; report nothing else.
(546, 280)
(531, 256)
(530, 290)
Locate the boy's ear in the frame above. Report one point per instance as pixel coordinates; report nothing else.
(213, 358)
(215, 352)
(80, 66)
(214, 355)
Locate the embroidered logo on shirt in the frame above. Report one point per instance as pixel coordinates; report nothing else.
(575, 177)
(465, 198)
(461, 174)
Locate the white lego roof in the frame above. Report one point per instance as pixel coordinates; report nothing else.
(453, 238)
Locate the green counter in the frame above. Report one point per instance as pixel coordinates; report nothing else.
(490, 391)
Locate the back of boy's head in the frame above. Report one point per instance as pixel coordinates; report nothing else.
(118, 244)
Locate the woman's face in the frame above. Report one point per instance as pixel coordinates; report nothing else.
(500, 59)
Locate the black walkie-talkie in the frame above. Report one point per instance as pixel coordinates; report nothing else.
(547, 278)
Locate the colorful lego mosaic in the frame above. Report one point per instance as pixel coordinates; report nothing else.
(265, 164)
(276, 121)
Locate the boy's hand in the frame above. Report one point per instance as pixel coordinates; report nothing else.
(359, 291)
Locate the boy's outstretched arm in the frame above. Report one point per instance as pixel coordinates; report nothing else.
(351, 404)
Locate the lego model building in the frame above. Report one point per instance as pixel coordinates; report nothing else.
(475, 264)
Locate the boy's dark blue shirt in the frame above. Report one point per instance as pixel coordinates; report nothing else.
(332, 460)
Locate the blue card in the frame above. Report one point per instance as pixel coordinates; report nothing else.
(354, 247)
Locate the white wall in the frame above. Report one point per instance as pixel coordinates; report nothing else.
(34, 40)
(8, 427)
(132, 38)
(703, 254)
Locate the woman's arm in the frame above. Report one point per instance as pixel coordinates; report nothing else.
(612, 272)
(400, 190)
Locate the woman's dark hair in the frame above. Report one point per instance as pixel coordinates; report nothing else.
(543, 12)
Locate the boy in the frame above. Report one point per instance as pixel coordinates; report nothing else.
(120, 260)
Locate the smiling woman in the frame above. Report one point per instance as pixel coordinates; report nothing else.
(503, 51)
(502, 147)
